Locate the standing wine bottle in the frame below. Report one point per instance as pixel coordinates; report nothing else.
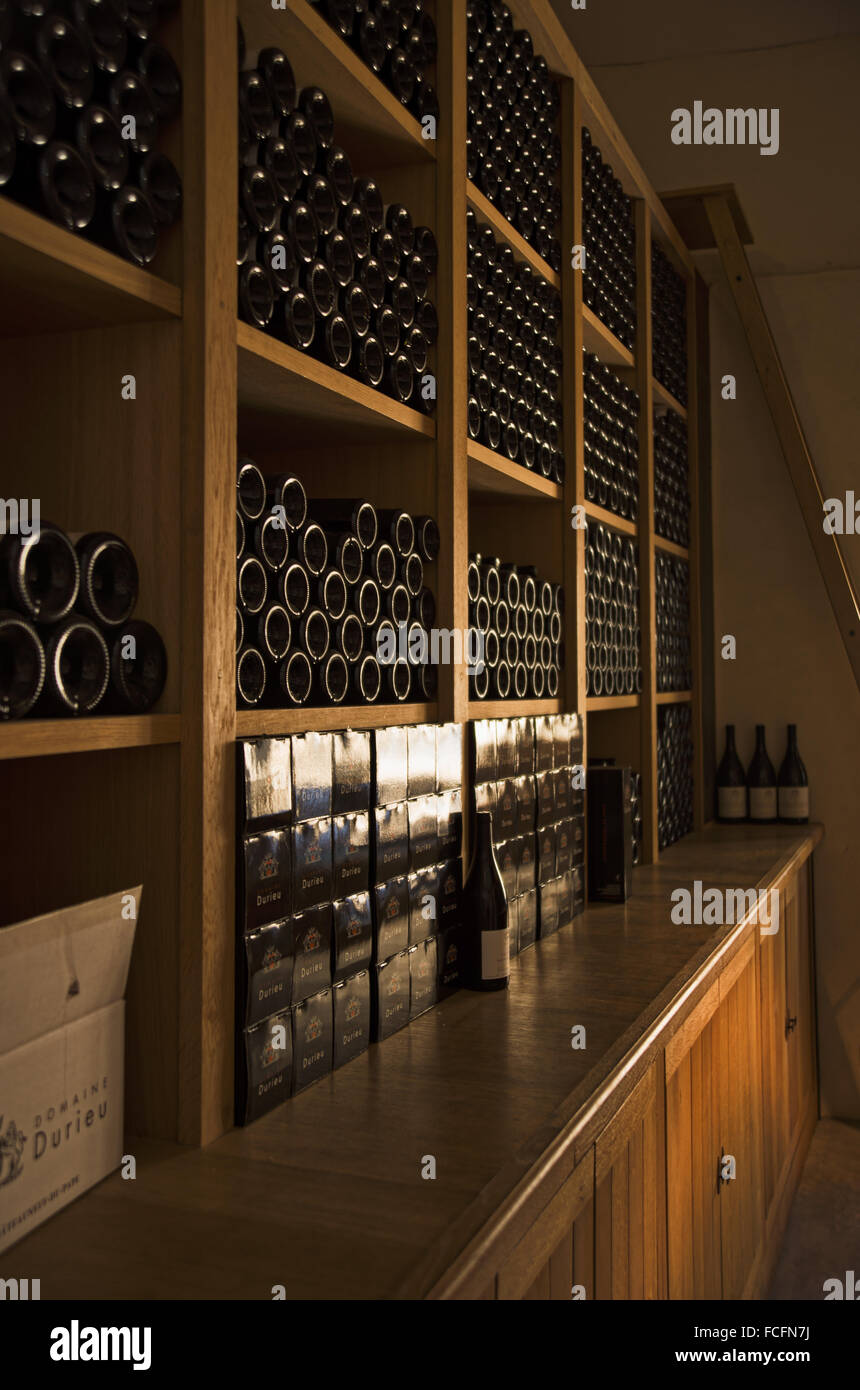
(793, 791)
(761, 781)
(731, 783)
(485, 909)
(22, 666)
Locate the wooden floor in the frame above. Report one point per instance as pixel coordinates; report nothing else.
(326, 1197)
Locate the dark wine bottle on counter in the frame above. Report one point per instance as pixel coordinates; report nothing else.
(731, 783)
(761, 781)
(485, 913)
(22, 666)
(39, 574)
(138, 669)
(78, 667)
(793, 790)
(109, 579)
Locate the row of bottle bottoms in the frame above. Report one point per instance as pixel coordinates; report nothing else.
(68, 642)
(759, 794)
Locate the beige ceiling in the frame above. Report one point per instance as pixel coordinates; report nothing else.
(802, 56)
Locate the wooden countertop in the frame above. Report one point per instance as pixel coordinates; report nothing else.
(325, 1195)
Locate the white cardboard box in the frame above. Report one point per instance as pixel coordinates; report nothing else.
(62, 1056)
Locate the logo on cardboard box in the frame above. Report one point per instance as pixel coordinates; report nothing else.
(11, 1152)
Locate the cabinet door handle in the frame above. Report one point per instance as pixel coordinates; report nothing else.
(790, 1024)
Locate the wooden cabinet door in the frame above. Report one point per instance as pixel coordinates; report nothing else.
(629, 1213)
(692, 1151)
(800, 1013)
(773, 1011)
(556, 1251)
(741, 1199)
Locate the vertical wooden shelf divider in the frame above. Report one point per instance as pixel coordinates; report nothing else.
(574, 477)
(452, 465)
(647, 602)
(695, 554)
(206, 955)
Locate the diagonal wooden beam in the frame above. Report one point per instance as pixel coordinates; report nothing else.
(837, 580)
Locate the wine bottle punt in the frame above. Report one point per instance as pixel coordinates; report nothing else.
(109, 581)
(138, 668)
(485, 913)
(274, 632)
(77, 667)
(295, 678)
(250, 677)
(22, 666)
(39, 574)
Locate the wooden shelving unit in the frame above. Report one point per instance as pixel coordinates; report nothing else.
(42, 738)
(316, 402)
(153, 800)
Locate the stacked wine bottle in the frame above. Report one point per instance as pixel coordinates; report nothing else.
(332, 603)
(68, 642)
(514, 355)
(674, 773)
(397, 41)
(517, 618)
(610, 425)
(513, 147)
(672, 594)
(609, 280)
(671, 479)
(85, 93)
(324, 264)
(668, 325)
(613, 662)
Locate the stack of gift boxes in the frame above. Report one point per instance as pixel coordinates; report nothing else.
(349, 884)
(527, 773)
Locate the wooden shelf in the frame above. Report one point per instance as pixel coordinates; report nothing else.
(52, 281)
(513, 709)
(277, 381)
(596, 703)
(372, 125)
(598, 338)
(502, 227)
(663, 544)
(43, 738)
(607, 518)
(492, 473)
(254, 723)
(674, 697)
(664, 397)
